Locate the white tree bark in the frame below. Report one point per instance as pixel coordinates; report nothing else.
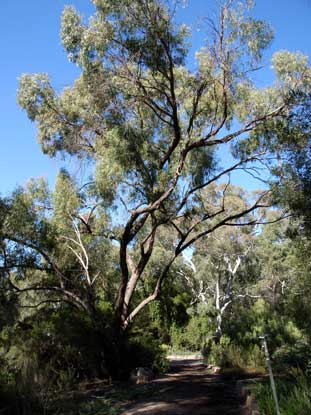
(222, 300)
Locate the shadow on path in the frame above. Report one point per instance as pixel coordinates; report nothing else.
(189, 388)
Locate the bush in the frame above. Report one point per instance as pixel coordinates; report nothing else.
(246, 324)
(227, 354)
(294, 396)
(144, 351)
(218, 354)
(297, 355)
(57, 349)
(192, 337)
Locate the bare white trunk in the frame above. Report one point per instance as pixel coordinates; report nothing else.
(218, 332)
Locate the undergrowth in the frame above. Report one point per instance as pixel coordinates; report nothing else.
(112, 403)
(294, 395)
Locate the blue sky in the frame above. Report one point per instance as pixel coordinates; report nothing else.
(29, 42)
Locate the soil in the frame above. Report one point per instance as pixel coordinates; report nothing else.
(190, 388)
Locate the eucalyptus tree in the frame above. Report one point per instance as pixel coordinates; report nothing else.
(275, 253)
(224, 269)
(151, 127)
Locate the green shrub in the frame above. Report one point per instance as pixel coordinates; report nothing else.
(192, 337)
(246, 324)
(177, 339)
(295, 355)
(218, 354)
(228, 354)
(57, 351)
(294, 396)
(144, 351)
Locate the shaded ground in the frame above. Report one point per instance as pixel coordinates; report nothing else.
(190, 388)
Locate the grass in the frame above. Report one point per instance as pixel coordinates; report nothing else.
(294, 395)
(112, 403)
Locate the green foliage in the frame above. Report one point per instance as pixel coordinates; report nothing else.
(227, 354)
(66, 201)
(56, 351)
(114, 401)
(191, 337)
(170, 310)
(247, 324)
(297, 355)
(294, 396)
(145, 351)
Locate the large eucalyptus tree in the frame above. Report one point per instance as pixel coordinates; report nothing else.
(151, 128)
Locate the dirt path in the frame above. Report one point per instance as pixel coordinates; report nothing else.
(189, 388)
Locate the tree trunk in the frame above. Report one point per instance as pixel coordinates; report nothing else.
(218, 331)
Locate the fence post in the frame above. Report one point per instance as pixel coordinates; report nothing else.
(275, 396)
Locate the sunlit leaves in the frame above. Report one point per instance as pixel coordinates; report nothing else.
(292, 68)
(66, 201)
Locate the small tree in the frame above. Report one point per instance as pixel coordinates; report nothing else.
(223, 270)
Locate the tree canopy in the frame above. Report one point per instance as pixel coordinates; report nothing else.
(151, 127)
